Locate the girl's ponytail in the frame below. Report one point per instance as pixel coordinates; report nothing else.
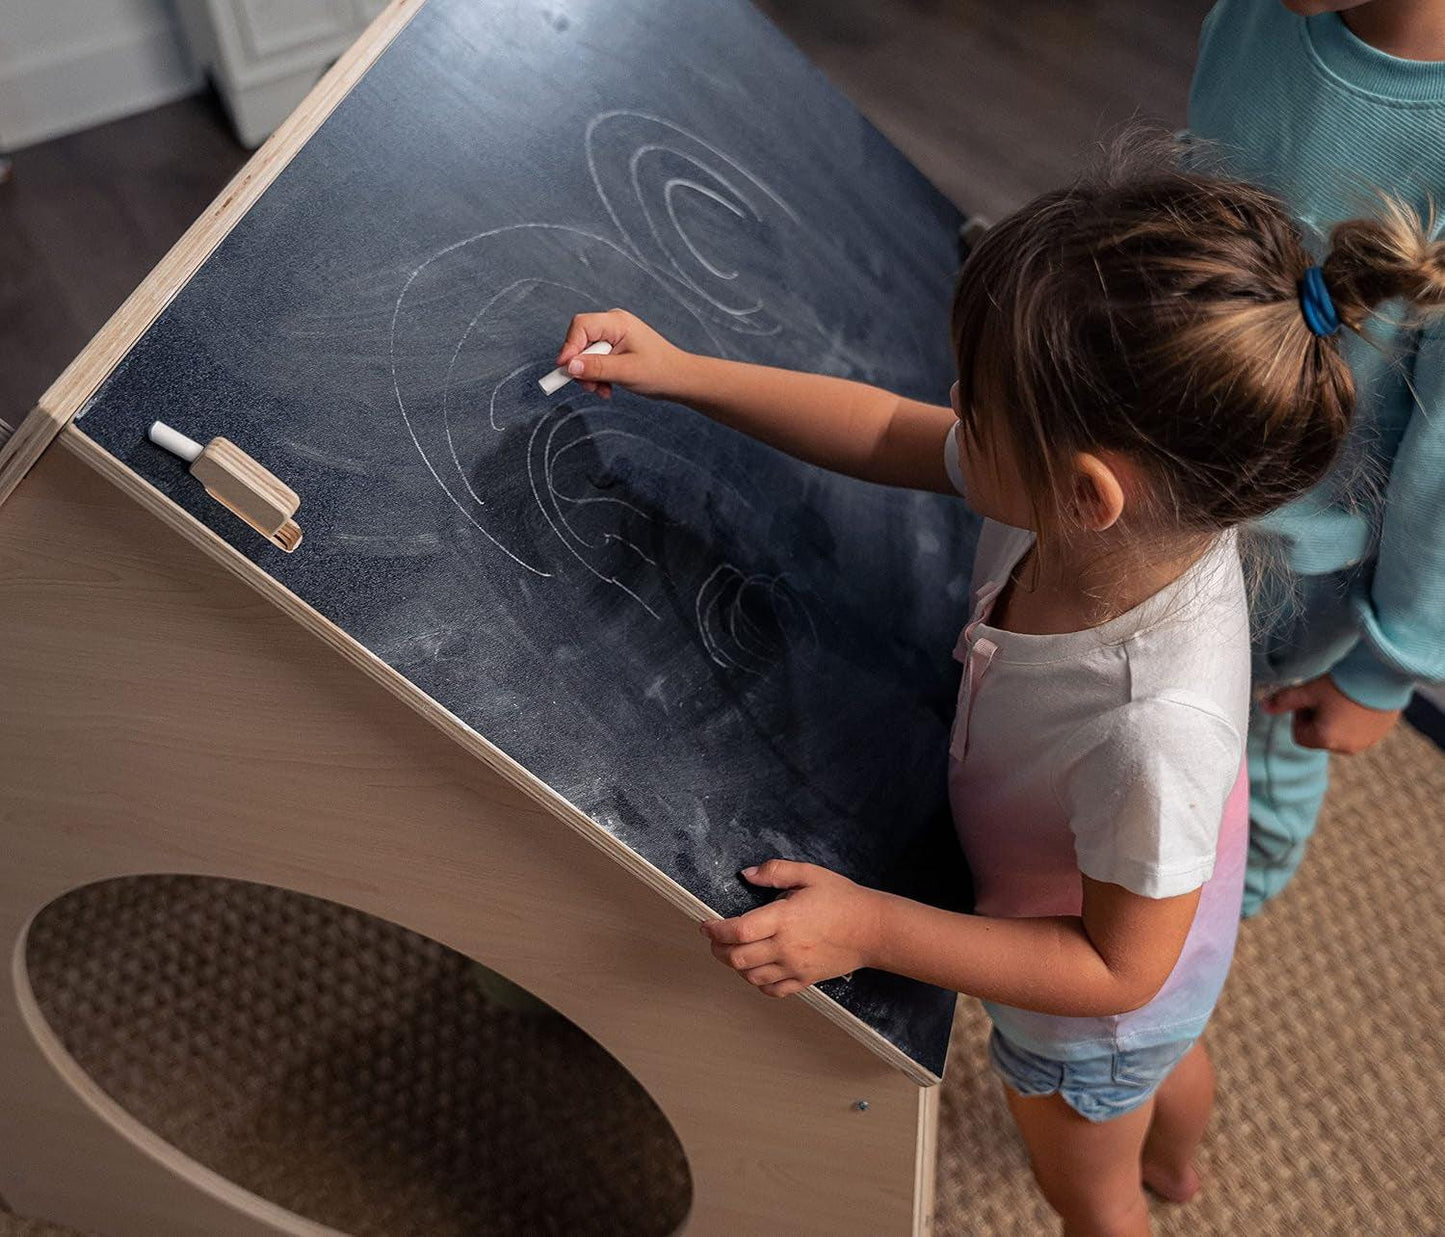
(1176, 318)
(1389, 257)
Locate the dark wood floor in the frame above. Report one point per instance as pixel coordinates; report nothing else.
(83, 218)
(996, 102)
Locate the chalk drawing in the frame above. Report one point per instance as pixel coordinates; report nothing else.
(643, 167)
(650, 140)
(732, 610)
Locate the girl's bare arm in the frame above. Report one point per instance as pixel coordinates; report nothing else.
(1110, 959)
(848, 427)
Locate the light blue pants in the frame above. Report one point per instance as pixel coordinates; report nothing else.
(1308, 629)
(1287, 784)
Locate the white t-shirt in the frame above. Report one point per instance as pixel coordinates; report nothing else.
(1133, 731)
(1116, 752)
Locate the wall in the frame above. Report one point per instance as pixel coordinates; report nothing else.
(69, 64)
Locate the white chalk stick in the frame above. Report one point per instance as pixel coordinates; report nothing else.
(174, 441)
(559, 378)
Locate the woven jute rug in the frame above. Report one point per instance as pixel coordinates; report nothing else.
(376, 1082)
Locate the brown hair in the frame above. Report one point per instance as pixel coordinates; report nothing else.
(1155, 311)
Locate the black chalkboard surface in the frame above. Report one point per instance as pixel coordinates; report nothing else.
(718, 654)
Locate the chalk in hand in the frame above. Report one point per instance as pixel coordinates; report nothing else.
(559, 378)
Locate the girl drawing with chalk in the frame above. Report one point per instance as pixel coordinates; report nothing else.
(1147, 361)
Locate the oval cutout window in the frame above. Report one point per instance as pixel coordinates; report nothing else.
(349, 1070)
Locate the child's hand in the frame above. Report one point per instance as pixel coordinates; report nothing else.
(641, 359)
(1327, 719)
(823, 926)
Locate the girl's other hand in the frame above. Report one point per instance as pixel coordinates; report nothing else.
(1327, 719)
(641, 360)
(823, 926)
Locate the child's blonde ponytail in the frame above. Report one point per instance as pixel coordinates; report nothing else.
(1392, 256)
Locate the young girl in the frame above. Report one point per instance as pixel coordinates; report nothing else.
(1146, 361)
(1323, 107)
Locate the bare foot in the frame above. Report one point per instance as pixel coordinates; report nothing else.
(1171, 1184)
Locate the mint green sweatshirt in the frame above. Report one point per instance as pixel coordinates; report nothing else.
(1306, 109)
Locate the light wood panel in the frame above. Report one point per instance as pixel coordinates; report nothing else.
(162, 718)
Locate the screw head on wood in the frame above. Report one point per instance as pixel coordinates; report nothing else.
(860, 1105)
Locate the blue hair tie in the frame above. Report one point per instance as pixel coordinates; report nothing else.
(1316, 304)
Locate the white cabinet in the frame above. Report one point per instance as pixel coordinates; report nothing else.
(264, 55)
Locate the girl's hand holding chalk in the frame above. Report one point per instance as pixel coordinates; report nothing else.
(617, 347)
(559, 377)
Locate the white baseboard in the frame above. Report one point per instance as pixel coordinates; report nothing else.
(74, 87)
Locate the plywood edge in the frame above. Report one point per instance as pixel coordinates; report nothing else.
(926, 1161)
(23, 446)
(83, 375)
(130, 483)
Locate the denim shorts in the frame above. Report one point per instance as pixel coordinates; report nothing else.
(1099, 1088)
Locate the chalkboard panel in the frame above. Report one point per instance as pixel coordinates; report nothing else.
(716, 653)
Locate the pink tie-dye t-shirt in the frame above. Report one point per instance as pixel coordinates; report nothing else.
(1118, 753)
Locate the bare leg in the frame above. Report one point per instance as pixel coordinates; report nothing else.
(1181, 1111)
(1088, 1171)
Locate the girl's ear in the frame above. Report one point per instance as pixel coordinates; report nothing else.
(1098, 492)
